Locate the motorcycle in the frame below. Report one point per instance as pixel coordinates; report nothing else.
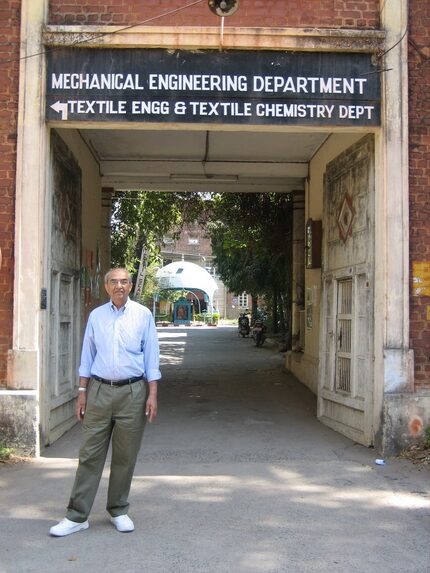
(259, 332)
(243, 325)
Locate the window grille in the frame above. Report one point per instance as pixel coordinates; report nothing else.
(344, 335)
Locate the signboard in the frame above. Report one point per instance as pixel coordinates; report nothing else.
(421, 278)
(236, 87)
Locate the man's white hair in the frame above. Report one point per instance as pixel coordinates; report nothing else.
(110, 271)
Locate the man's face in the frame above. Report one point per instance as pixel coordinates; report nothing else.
(118, 287)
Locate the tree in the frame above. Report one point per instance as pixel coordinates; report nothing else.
(251, 240)
(141, 219)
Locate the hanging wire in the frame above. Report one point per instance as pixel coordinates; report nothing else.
(103, 34)
(411, 42)
(394, 45)
(143, 22)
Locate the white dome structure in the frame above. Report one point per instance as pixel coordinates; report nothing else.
(182, 275)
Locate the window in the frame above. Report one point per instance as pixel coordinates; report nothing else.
(243, 300)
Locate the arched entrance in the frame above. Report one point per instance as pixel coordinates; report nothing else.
(223, 153)
(187, 277)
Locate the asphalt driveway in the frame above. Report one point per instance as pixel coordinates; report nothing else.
(236, 475)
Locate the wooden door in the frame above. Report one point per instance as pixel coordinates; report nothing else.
(345, 397)
(64, 291)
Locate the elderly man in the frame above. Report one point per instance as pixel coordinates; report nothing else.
(120, 350)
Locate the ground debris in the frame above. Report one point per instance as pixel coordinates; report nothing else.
(15, 459)
(417, 454)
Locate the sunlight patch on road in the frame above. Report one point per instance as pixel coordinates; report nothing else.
(204, 489)
(163, 335)
(172, 347)
(405, 501)
(263, 560)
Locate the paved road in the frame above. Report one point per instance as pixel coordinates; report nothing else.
(236, 476)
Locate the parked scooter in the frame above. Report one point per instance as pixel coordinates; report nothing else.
(243, 325)
(259, 331)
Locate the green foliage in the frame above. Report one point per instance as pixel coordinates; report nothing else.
(150, 286)
(427, 437)
(162, 318)
(5, 453)
(143, 218)
(213, 318)
(171, 295)
(251, 237)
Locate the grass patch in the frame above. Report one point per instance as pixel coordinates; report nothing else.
(5, 453)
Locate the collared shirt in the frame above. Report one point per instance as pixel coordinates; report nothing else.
(120, 343)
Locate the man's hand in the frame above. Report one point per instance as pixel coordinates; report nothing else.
(81, 404)
(151, 402)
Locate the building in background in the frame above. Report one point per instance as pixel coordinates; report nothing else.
(194, 246)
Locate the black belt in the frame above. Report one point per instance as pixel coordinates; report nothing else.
(117, 382)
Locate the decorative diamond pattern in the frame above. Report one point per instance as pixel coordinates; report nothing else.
(345, 218)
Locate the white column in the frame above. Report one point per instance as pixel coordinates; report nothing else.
(398, 372)
(393, 374)
(24, 368)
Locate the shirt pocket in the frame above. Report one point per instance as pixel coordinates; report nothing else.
(131, 340)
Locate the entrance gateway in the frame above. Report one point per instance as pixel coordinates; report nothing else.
(262, 92)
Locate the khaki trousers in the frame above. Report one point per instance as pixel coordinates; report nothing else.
(114, 413)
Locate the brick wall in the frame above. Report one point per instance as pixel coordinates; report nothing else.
(9, 50)
(192, 241)
(419, 178)
(270, 13)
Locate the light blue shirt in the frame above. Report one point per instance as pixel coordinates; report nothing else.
(120, 343)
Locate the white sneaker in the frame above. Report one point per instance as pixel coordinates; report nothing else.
(123, 523)
(66, 527)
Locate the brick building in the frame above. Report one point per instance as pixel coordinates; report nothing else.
(327, 100)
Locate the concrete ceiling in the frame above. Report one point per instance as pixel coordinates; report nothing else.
(206, 161)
